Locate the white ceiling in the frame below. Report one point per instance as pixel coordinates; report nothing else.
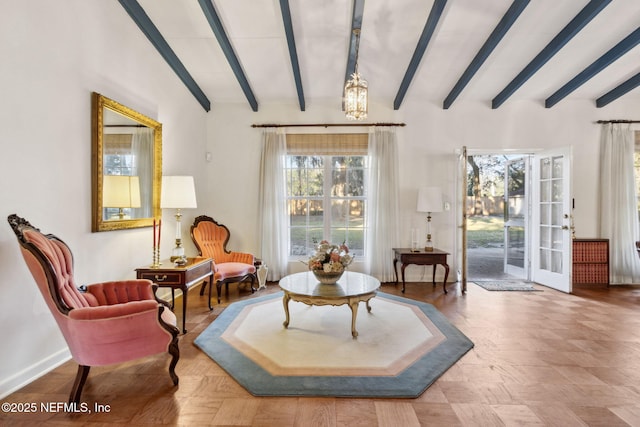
(390, 32)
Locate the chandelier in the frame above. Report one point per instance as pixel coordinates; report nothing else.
(356, 104)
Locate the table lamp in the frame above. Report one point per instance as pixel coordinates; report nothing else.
(178, 192)
(429, 200)
(120, 191)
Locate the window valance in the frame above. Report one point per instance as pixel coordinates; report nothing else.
(117, 143)
(348, 144)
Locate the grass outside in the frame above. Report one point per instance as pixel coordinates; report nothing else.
(482, 232)
(485, 231)
(353, 235)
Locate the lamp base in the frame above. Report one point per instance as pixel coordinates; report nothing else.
(177, 255)
(179, 261)
(428, 246)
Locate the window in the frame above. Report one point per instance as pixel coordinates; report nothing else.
(326, 199)
(118, 155)
(118, 160)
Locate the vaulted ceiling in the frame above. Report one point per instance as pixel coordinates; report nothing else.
(444, 52)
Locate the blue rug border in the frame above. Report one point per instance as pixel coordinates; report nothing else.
(411, 383)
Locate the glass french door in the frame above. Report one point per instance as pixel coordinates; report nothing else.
(551, 245)
(461, 218)
(516, 217)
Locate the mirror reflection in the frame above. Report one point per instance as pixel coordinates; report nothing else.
(127, 164)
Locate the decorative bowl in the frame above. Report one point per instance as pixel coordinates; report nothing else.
(327, 278)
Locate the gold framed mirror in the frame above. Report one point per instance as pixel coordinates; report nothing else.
(126, 166)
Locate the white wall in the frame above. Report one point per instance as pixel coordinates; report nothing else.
(426, 151)
(54, 54)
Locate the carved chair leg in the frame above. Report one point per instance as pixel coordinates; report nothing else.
(253, 279)
(81, 378)
(174, 351)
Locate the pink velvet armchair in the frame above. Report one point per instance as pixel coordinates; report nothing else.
(110, 322)
(211, 239)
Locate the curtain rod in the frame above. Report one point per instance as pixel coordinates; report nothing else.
(618, 121)
(325, 125)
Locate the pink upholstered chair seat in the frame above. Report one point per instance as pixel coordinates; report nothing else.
(211, 240)
(111, 322)
(227, 270)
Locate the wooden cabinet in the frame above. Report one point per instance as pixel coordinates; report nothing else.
(591, 261)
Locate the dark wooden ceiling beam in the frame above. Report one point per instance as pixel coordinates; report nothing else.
(148, 28)
(618, 91)
(356, 26)
(624, 46)
(218, 29)
(496, 36)
(423, 42)
(293, 52)
(562, 38)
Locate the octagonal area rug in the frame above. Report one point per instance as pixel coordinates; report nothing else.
(403, 346)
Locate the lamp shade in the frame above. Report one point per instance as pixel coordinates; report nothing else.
(120, 191)
(178, 192)
(429, 199)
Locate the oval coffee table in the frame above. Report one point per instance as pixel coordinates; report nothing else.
(351, 289)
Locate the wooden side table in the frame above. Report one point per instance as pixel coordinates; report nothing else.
(182, 277)
(435, 258)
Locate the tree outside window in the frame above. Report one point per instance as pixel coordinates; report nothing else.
(326, 199)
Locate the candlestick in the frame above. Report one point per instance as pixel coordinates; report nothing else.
(154, 262)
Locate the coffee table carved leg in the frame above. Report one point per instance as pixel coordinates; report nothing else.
(285, 301)
(354, 313)
(368, 306)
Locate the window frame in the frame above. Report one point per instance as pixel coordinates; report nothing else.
(327, 200)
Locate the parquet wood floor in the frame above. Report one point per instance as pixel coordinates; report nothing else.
(540, 358)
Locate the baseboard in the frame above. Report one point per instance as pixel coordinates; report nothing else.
(33, 372)
(165, 294)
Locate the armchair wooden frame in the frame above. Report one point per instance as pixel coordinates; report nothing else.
(74, 326)
(221, 277)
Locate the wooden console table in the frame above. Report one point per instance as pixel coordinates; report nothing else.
(435, 258)
(182, 277)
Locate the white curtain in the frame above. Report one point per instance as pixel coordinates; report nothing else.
(142, 150)
(618, 203)
(272, 226)
(382, 212)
